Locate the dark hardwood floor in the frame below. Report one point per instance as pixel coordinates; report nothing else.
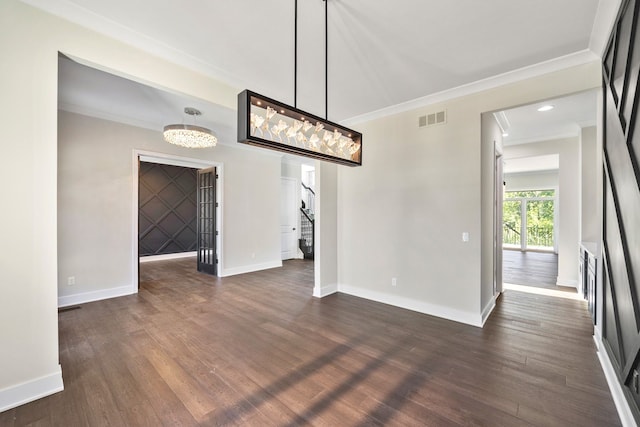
(537, 269)
(258, 350)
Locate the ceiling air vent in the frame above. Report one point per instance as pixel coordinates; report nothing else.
(432, 119)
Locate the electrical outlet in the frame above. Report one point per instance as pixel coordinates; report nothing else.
(71, 280)
(394, 281)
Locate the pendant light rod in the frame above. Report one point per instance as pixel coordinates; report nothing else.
(326, 60)
(326, 57)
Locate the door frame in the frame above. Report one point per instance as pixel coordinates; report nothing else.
(295, 212)
(498, 200)
(173, 160)
(210, 268)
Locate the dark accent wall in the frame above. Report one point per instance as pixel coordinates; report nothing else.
(166, 209)
(621, 228)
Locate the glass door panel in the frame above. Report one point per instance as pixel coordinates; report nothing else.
(512, 223)
(540, 224)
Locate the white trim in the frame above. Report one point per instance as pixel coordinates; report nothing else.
(605, 19)
(574, 59)
(323, 291)
(624, 411)
(488, 309)
(84, 297)
(164, 257)
(473, 319)
(29, 391)
(70, 11)
(249, 268)
(174, 160)
(169, 159)
(569, 283)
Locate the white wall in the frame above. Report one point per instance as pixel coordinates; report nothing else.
(568, 206)
(540, 180)
(591, 173)
(326, 249)
(30, 44)
(95, 193)
(290, 168)
(403, 212)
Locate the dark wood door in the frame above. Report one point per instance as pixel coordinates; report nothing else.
(207, 253)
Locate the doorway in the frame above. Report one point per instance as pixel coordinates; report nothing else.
(289, 219)
(212, 227)
(544, 216)
(529, 220)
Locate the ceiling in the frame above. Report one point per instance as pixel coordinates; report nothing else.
(570, 113)
(381, 54)
(92, 92)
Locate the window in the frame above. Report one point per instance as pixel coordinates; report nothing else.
(528, 220)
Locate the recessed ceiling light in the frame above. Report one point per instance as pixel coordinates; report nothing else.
(505, 134)
(546, 108)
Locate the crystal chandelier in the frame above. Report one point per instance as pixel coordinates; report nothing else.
(190, 136)
(268, 123)
(271, 124)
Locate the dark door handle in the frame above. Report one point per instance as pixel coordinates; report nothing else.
(294, 229)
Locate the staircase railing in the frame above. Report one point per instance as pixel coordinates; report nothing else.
(308, 198)
(510, 235)
(307, 221)
(307, 233)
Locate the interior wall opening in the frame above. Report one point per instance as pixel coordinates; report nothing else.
(545, 167)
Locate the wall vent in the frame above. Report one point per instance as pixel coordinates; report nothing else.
(432, 119)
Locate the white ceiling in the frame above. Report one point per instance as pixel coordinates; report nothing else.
(381, 54)
(571, 113)
(92, 92)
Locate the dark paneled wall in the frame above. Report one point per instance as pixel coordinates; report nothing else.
(621, 249)
(167, 209)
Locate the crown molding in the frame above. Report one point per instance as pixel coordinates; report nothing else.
(574, 59)
(603, 24)
(83, 17)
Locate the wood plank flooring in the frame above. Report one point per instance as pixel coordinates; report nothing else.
(258, 350)
(537, 269)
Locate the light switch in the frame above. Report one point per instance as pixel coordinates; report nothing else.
(465, 236)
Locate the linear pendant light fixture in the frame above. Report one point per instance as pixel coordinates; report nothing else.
(190, 136)
(271, 124)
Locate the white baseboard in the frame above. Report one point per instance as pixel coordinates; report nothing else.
(150, 258)
(84, 297)
(570, 283)
(486, 312)
(250, 268)
(29, 391)
(624, 411)
(323, 291)
(413, 305)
